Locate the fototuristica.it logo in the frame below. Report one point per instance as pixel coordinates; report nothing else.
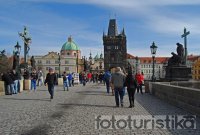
(145, 122)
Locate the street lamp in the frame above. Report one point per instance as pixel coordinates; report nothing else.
(77, 61)
(59, 63)
(136, 64)
(16, 57)
(153, 48)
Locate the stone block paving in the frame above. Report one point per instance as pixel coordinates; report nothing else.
(73, 112)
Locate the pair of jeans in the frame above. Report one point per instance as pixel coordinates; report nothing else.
(33, 84)
(119, 93)
(16, 87)
(9, 89)
(66, 84)
(108, 86)
(131, 95)
(139, 88)
(51, 90)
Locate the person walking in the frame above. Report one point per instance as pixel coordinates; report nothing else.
(50, 81)
(131, 85)
(65, 81)
(107, 77)
(140, 80)
(118, 80)
(9, 84)
(34, 78)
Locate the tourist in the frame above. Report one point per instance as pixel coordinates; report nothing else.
(65, 81)
(8, 83)
(70, 79)
(16, 78)
(140, 81)
(34, 78)
(40, 78)
(118, 80)
(50, 81)
(107, 77)
(131, 85)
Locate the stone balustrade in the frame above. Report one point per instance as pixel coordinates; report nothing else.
(2, 88)
(185, 95)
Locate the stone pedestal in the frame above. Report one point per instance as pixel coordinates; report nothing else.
(21, 85)
(60, 81)
(27, 84)
(2, 88)
(178, 73)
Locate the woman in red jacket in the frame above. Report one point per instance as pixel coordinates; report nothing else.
(140, 80)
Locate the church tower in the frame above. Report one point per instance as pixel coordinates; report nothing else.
(115, 49)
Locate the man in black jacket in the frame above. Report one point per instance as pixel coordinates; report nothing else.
(50, 81)
(9, 84)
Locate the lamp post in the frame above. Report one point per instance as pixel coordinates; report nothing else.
(59, 63)
(153, 48)
(77, 61)
(136, 64)
(16, 58)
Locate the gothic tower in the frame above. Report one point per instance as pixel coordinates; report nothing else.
(114, 47)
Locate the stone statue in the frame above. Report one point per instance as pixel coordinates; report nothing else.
(2, 53)
(177, 59)
(15, 61)
(180, 50)
(32, 62)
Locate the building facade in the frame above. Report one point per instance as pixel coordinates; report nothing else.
(68, 59)
(145, 65)
(115, 49)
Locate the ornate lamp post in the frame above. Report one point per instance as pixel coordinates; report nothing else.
(59, 64)
(153, 48)
(136, 64)
(77, 61)
(16, 57)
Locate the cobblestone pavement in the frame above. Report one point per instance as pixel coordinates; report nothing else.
(73, 112)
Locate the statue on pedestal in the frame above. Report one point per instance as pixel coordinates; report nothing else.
(177, 59)
(32, 62)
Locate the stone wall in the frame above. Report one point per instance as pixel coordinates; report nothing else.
(2, 88)
(183, 97)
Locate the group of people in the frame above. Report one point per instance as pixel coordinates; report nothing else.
(12, 84)
(118, 80)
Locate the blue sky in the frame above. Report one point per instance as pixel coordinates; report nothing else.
(51, 22)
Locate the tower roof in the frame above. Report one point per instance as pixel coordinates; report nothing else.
(112, 28)
(70, 45)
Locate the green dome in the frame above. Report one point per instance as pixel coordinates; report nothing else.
(70, 46)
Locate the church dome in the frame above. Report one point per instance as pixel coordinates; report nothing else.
(70, 45)
(96, 57)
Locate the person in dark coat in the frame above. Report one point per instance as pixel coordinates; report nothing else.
(50, 81)
(131, 84)
(9, 84)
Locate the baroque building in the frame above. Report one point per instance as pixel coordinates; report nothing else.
(115, 49)
(68, 59)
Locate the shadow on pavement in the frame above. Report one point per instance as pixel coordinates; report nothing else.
(86, 105)
(45, 99)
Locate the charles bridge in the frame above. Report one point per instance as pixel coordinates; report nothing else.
(75, 112)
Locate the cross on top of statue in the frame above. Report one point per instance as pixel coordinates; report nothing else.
(185, 43)
(185, 33)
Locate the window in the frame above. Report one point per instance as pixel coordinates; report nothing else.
(108, 47)
(66, 62)
(39, 62)
(116, 47)
(56, 68)
(56, 61)
(48, 62)
(75, 54)
(66, 68)
(68, 53)
(47, 68)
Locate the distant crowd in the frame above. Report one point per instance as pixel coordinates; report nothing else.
(115, 80)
